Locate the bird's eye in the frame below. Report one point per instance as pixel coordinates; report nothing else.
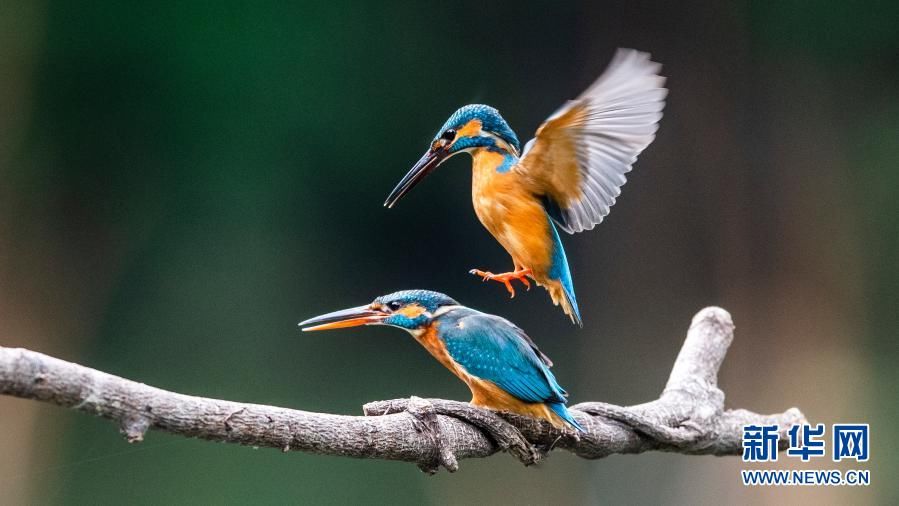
(448, 135)
(395, 305)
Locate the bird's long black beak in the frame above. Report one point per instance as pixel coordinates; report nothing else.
(422, 168)
(352, 317)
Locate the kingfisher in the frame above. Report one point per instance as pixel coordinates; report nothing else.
(501, 365)
(567, 177)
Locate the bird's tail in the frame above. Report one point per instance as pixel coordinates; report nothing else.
(562, 412)
(559, 284)
(564, 298)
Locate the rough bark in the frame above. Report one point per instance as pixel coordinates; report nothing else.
(689, 416)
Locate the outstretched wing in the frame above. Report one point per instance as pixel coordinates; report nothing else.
(578, 160)
(494, 349)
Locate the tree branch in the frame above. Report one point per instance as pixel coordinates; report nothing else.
(689, 416)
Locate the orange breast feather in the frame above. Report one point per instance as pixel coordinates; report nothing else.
(511, 213)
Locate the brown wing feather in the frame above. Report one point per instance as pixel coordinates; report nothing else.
(551, 163)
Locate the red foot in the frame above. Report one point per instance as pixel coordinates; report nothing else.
(505, 278)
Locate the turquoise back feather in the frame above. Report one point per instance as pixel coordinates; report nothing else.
(494, 349)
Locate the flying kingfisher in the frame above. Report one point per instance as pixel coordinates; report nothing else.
(501, 365)
(568, 176)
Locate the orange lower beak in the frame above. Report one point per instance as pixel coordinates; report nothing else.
(353, 317)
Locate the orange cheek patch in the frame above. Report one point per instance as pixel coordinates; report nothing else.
(470, 129)
(412, 311)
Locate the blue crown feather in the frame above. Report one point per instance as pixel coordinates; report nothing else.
(425, 298)
(490, 119)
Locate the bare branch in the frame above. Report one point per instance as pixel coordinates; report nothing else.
(689, 417)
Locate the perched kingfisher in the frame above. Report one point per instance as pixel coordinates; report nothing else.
(500, 364)
(567, 176)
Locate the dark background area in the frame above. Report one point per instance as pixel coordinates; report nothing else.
(181, 184)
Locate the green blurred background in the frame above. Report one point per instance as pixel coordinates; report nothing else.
(183, 182)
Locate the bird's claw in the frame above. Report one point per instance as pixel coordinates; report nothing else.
(505, 278)
(506, 435)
